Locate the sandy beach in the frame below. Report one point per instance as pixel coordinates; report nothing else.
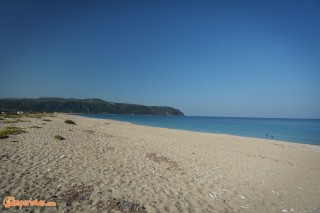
(110, 166)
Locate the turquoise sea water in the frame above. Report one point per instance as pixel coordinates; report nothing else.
(293, 130)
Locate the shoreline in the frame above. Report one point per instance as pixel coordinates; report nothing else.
(102, 163)
(271, 140)
(314, 147)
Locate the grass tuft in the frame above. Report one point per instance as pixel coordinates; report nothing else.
(12, 116)
(39, 115)
(59, 137)
(70, 122)
(36, 127)
(15, 121)
(10, 130)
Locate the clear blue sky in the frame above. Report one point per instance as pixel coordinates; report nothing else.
(216, 58)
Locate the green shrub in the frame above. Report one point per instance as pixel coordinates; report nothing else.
(11, 130)
(15, 121)
(36, 127)
(59, 137)
(39, 115)
(12, 116)
(70, 122)
(3, 135)
(46, 119)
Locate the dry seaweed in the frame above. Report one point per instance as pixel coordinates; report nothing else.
(161, 159)
(76, 193)
(123, 205)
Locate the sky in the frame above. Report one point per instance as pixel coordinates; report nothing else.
(207, 58)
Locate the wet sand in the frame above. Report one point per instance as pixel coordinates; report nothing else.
(111, 166)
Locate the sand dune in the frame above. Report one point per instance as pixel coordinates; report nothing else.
(110, 166)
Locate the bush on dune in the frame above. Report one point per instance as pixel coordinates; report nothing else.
(11, 130)
(70, 122)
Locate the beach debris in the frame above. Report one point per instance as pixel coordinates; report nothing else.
(300, 187)
(62, 156)
(286, 210)
(213, 196)
(110, 148)
(48, 170)
(76, 193)
(122, 205)
(5, 157)
(244, 207)
(242, 197)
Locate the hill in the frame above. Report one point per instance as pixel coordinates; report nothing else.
(95, 106)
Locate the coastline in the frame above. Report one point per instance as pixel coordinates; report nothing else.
(246, 134)
(160, 169)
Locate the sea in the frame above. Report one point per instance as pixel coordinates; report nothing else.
(306, 131)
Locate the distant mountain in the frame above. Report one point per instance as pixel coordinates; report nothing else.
(72, 105)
